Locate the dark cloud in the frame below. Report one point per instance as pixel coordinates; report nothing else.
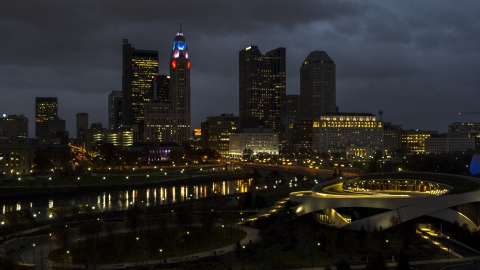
(415, 60)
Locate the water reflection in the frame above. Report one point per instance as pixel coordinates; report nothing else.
(154, 195)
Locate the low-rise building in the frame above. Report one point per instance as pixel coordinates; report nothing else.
(413, 140)
(16, 158)
(448, 142)
(121, 138)
(13, 126)
(255, 140)
(355, 134)
(216, 132)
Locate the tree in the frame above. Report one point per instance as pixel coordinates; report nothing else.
(403, 261)
(376, 262)
(247, 154)
(9, 262)
(343, 265)
(248, 200)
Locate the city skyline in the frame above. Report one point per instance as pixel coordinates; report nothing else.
(415, 61)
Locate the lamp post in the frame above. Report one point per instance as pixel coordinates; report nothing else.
(33, 254)
(50, 238)
(68, 258)
(448, 248)
(223, 226)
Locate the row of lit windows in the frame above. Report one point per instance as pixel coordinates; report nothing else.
(352, 124)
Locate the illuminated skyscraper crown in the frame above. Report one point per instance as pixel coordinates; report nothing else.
(179, 45)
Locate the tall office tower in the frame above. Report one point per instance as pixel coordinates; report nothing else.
(139, 68)
(168, 118)
(115, 108)
(46, 109)
(317, 85)
(13, 126)
(180, 88)
(291, 112)
(292, 107)
(161, 86)
(82, 128)
(262, 89)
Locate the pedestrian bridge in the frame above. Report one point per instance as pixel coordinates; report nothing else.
(267, 171)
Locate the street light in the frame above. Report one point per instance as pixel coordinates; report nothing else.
(223, 226)
(33, 254)
(50, 242)
(448, 247)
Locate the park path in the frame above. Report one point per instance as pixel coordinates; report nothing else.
(34, 255)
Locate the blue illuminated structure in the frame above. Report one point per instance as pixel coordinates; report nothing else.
(179, 45)
(475, 165)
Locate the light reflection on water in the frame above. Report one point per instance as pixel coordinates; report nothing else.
(122, 200)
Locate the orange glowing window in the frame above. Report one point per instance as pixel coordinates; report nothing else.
(174, 63)
(188, 64)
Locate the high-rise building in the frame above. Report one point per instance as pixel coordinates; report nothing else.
(47, 122)
(82, 129)
(302, 135)
(216, 132)
(167, 119)
(115, 108)
(139, 69)
(13, 126)
(317, 85)
(262, 89)
(162, 88)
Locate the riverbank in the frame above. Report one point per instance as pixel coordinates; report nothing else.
(96, 184)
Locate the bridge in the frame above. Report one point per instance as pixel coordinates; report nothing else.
(287, 172)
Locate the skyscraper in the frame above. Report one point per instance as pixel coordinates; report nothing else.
(168, 118)
(115, 108)
(139, 69)
(262, 89)
(180, 87)
(317, 85)
(46, 109)
(82, 128)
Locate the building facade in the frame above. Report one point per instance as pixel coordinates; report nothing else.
(115, 107)
(82, 129)
(413, 141)
(448, 143)
(216, 131)
(167, 119)
(16, 158)
(317, 85)
(355, 134)
(46, 109)
(13, 126)
(121, 138)
(139, 69)
(302, 135)
(472, 129)
(262, 89)
(254, 140)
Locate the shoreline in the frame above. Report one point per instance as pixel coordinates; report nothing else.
(13, 194)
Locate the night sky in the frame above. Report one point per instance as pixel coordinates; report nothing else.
(418, 61)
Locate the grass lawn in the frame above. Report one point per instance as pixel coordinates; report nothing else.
(124, 248)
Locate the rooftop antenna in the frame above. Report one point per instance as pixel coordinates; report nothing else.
(180, 26)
